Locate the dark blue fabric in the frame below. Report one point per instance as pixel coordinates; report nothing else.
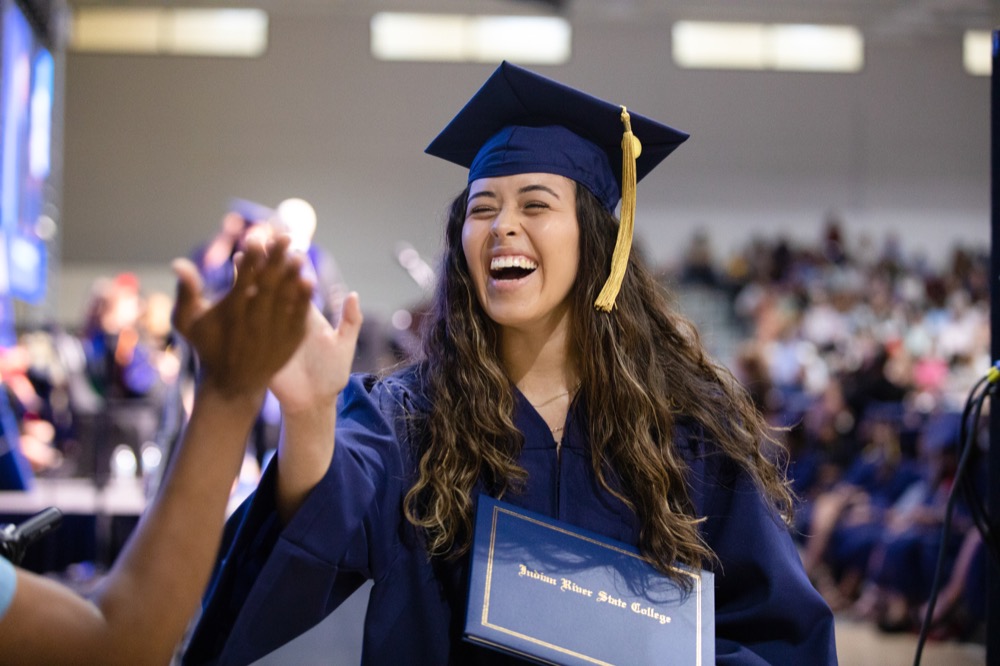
(275, 584)
(551, 149)
(134, 379)
(15, 470)
(885, 481)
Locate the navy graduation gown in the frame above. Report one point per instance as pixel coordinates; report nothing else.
(275, 583)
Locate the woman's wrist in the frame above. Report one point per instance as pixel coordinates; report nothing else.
(308, 422)
(315, 408)
(304, 455)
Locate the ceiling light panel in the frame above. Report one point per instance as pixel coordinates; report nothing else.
(767, 46)
(170, 31)
(465, 38)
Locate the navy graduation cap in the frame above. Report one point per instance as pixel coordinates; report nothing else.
(521, 122)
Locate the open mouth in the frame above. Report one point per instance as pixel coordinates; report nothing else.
(511, 268)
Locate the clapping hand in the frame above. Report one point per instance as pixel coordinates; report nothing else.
(247, 336)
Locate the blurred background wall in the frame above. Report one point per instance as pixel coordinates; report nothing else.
(155, 146)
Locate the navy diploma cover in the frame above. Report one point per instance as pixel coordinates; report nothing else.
(557, 594)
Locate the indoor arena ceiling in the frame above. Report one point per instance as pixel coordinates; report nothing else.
(901, 17)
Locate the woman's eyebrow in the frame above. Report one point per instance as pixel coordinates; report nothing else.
(483, 193)
(536, 187)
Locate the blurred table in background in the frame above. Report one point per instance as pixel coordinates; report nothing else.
(96, 520)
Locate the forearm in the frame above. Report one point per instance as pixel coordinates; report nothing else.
(173, 550)
(304, 456)
(140, 612)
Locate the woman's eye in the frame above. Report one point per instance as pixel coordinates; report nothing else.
(479, 210)
(536, 204)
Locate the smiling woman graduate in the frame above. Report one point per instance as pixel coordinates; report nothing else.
(555, 376)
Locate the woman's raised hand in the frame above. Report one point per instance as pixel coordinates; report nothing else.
(307, 388)
(320, 368)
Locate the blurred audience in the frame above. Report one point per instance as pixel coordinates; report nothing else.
(130, 368)
(863, 356)
(867, 358)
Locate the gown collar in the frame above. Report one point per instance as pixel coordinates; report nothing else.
(536, 431)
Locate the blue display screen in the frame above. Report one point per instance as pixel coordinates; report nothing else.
(27, 76)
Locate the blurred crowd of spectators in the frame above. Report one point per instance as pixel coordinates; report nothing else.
(862, 356)
(866, 358)
(109, 398)
(78, 394)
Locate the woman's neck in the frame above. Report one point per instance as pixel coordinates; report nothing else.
(540, 363)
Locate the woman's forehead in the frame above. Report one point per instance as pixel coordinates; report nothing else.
(522, 182)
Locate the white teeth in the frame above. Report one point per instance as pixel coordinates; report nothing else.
(499, 263)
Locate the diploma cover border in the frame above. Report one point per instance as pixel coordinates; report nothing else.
(497, 510)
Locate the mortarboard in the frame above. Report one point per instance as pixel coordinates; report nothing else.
(521, 122)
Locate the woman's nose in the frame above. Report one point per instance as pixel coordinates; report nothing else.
(505, 223)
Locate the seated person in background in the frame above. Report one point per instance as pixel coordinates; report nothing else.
(124, 368)
(140, 612)
(961, 604)
(902, 564)
(25, 412)
(119, 362)
(848, 520)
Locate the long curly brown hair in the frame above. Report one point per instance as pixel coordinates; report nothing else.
(642, 366)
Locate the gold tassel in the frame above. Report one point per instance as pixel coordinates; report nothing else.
(631, 149)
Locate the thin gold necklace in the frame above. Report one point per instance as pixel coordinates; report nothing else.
(555, 397)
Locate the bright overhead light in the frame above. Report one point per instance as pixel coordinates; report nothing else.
(762, 46)
(524, 39)
(718, 45)
(977, 52)
(424, 37)
(115, 29)
(536, 40)
(816, 48)
(170, 31)
(224, 32)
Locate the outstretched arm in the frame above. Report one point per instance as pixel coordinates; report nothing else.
(139, 614)
(307, 388)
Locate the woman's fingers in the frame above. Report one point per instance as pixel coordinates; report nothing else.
(351, 318)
